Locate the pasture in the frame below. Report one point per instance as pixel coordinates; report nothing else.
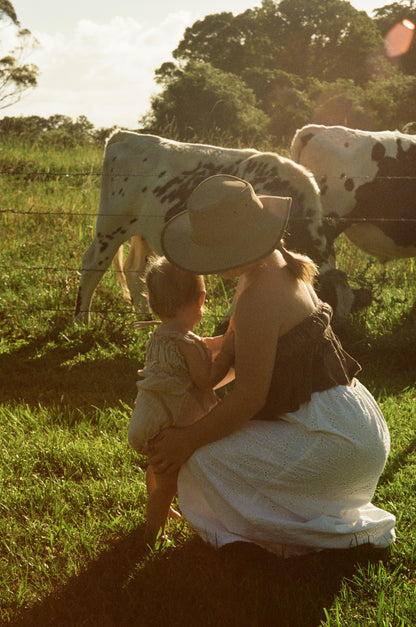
(73, 493)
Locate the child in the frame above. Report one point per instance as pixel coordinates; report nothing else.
(178, 376)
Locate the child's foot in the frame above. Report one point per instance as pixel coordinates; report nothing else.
(174, 514)
(162, 541)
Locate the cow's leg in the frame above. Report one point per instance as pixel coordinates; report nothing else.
(134, 267)
(95, 262)
(120, 276)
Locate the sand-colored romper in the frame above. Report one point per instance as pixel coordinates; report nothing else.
(166, 394)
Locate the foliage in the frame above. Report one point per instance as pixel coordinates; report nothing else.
(283, 97)
(59, 130)
(16, 76)
(324, 39)
(327, 39)
(393, 100)
(341, 102)
(202, 98)
(305, 61)
(7, 9)
(386, 17)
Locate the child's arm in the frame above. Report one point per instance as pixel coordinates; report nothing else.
(214, 344)
(222, 364)
(206, 372)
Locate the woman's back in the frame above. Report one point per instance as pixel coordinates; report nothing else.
(280, 297)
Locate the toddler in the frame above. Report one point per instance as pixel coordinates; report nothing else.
(179, 374)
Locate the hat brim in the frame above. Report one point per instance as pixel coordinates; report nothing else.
(179, 247)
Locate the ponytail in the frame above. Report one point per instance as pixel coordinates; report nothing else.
(301, 266)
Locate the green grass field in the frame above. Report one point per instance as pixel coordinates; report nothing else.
(72, 491)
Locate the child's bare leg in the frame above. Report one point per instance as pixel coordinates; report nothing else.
(150, 480)
(151, 484)
(158, 504)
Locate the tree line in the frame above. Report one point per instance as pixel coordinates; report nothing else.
(274, 68)
(260, 74)
(56, 130)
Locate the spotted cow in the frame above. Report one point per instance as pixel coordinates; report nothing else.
(368, 179)
(147, 179)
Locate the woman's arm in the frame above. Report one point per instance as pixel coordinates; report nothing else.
(256, 332)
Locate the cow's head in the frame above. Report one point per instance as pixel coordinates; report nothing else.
(333, 288)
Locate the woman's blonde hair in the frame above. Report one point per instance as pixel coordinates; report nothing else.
(169, 287)
(301, 266)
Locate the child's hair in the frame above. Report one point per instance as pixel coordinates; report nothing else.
(301, 266)
(169, 287)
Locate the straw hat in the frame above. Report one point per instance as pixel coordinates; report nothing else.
(225, 226)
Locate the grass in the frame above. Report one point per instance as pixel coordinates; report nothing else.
(72, 492)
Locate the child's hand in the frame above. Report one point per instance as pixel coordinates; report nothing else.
(207, 346)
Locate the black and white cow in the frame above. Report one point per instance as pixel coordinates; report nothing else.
(369, 180)
(147, 179)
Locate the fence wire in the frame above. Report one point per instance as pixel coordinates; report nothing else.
(100, 174)
(332, 220)
(329, 219)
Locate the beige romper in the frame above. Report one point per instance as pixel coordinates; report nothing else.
(166, 394)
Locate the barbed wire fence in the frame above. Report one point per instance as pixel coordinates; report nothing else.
(330, 220)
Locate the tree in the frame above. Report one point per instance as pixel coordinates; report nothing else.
(393, 100)
(200, 101)
(301, 61)
(342, 102)
(16, 76)
(325, 39)
(284, 98)
(58, 130)
(387, 17)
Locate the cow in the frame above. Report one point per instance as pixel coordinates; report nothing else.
(368, 186)
(147, 179)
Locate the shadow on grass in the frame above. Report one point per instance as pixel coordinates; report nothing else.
(192, 584)
(50, 371)
(389, 360)
(67, 376)
(398, 461)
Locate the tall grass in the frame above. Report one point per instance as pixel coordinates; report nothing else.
(72, 492)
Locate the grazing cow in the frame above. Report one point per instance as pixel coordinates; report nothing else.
(368, 179)
(147, 179)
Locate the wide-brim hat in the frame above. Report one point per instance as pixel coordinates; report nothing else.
(225, 226)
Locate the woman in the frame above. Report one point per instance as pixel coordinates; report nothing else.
(290, 458)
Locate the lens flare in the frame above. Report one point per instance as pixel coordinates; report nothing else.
(399, 38)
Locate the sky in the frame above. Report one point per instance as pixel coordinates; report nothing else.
(97, 58)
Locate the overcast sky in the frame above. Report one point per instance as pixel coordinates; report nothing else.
(97, 58)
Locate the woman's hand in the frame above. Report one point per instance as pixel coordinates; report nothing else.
(169, 450)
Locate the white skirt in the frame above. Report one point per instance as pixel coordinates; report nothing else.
(297, 484)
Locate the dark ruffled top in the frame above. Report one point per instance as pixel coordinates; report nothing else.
(309, 358)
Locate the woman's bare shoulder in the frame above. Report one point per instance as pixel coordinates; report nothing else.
(276, 299)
